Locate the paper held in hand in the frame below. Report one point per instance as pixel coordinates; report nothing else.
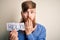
(17, 26)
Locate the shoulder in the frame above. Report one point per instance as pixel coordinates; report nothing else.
(41, 27)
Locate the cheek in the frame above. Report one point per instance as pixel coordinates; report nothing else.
(33, 16)
(25, 15)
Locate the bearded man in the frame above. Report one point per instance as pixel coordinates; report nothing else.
(33, 30)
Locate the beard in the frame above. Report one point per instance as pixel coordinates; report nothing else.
(25, 19)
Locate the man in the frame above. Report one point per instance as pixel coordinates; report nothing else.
(33, 30)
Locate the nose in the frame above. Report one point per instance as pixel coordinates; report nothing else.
(29, 14)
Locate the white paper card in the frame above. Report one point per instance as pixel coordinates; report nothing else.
(17, 26)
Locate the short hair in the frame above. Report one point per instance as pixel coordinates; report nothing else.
(28, 5)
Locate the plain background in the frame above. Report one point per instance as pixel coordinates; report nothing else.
(48, 14)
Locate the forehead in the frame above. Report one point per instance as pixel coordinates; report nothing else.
(34, 9)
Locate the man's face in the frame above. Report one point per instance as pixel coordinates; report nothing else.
(29, 14)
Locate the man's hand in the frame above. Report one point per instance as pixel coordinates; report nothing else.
(13, 35)
(29, 27)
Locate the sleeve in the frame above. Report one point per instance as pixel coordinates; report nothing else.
(42, 35)
(30, 37)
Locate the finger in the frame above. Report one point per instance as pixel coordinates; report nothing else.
(13, 36)
(14, 30)
(30, 23)
(14, 33)
(26, 23)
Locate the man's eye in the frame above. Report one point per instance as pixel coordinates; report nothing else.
(32, 12)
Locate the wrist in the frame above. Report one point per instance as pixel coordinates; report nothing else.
(27, 33)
